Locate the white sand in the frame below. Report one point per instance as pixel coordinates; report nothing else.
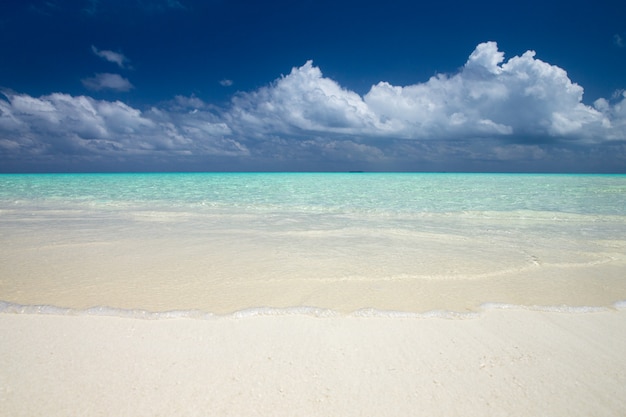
(503, 363)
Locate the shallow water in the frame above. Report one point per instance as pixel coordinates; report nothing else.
(221, 243)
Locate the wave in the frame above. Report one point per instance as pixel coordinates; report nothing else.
(13, 308)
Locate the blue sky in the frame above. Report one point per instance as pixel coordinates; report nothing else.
(170, 85)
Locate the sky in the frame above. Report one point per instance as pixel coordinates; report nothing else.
(312, 85)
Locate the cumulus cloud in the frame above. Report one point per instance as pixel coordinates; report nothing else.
(107, 81)
(114, 57)
(491, 111)
(523, 97)
(303, 101)
(64, 124)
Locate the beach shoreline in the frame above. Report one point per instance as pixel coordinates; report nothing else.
(301, 295)
(515, 362)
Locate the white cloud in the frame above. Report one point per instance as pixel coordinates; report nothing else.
(226, 82)
(302, 101)
(107, 81)
(614, 115)
(485, 58)
(186, 104)
(61, 123)
(114, 57)
(492, 109)
(488, 97)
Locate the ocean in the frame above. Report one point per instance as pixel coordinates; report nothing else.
(196, 244)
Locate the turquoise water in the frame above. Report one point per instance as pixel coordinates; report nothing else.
(224, 242)
(361, 192)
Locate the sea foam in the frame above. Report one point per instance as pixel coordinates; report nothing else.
(308, 311)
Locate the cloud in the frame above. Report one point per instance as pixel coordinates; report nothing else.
(107, 81)
(114, 57)
(302, 102)
(523, 98)
(61, 124)
(618, 41)
(226, 82)
(492, 114)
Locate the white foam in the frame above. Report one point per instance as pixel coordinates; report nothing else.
(290, 311)
(6, 307)
(13, 308)
(544, 308)
(442, 314)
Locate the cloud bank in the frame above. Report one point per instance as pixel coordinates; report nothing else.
(493, 113)
(523, 98)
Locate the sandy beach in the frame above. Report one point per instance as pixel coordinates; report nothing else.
(266, 295)
(511, 362)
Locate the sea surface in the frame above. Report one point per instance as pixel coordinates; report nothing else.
(312, 243)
